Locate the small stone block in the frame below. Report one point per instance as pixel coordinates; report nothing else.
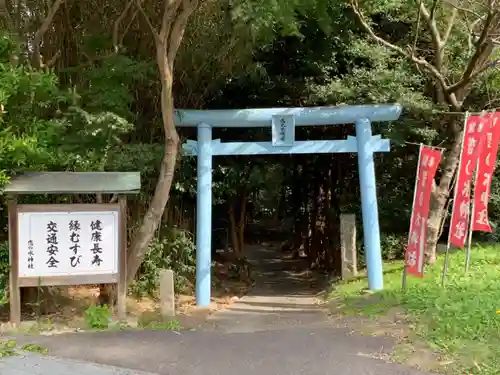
(167, 293)
(348, 246)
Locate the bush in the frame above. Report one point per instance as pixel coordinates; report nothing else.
(392, 246)
(174, 249)
(98, 317)
(4, 271)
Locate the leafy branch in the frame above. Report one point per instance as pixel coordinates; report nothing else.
(454, 93)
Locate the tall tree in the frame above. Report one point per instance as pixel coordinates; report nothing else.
(452, 43)
(264, 16)
(167, 39)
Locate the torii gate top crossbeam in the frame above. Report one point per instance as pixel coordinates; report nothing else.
(306, 116)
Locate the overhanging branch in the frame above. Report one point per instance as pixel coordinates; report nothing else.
(153, 30)
(178, 28)
(483, 48)
(468, 80)
(421, 62)
(37, 59)
(117, 38)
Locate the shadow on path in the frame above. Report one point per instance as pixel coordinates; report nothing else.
(285, 294)
(277, 274)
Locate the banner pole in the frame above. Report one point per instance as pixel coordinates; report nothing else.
(405, 270)
(472, 195)
(447, 253)
(471, 219)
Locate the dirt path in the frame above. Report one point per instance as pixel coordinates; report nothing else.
(285, 294)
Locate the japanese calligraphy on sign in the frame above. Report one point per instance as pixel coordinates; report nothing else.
(68, 243)
(283, 130)
(428, 163)
(485, 171)
(475, 127)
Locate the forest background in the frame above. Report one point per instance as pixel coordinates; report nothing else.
(91, 86)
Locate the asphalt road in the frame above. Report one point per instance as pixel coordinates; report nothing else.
(303, 350)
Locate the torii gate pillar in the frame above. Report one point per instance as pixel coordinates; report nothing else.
(204, 216)
(369, 207)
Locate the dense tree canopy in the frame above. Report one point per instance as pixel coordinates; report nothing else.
(92, 86)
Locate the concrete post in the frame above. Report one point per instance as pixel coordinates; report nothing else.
(167, 293)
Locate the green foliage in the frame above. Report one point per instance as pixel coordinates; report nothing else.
(263, 17)
(101, 111)
(8, 348)
(169, 325)
(98, 317)
(46, 127)
(459, 320)
(34, 348)
(154, 321)
(4, 271)
(392, 245)
(111, 83)
(28, 131)
(173, 249)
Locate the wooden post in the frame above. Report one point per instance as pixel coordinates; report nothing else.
(167, 293)
(14, 289)
(348, 246)
(121, 299)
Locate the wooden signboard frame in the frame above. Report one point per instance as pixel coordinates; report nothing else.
(115, 183)
(17, 282)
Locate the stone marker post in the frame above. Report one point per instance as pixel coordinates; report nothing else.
(348, 246)
(167, 293)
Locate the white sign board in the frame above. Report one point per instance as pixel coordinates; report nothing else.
(68, 243)
(283, 130)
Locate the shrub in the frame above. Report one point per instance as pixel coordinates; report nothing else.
(4, 271)
(174, 249)
(98, 317)
(392, 246)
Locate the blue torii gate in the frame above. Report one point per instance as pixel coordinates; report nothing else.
(283, 122)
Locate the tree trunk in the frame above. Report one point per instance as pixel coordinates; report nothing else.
(153, 216)
(237, 221)
(241, 227)
(281, 210)
(296, 203)
(167, 41)
(334, 199)
(437, 215)
(233, 228)
(440, 195)
(320, 221)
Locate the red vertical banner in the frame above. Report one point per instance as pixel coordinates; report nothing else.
(486, 168)
(459, 225)
(428, 162)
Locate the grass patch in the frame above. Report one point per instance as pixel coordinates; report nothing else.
(10, 348)
(153, 320)
(459, 320)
